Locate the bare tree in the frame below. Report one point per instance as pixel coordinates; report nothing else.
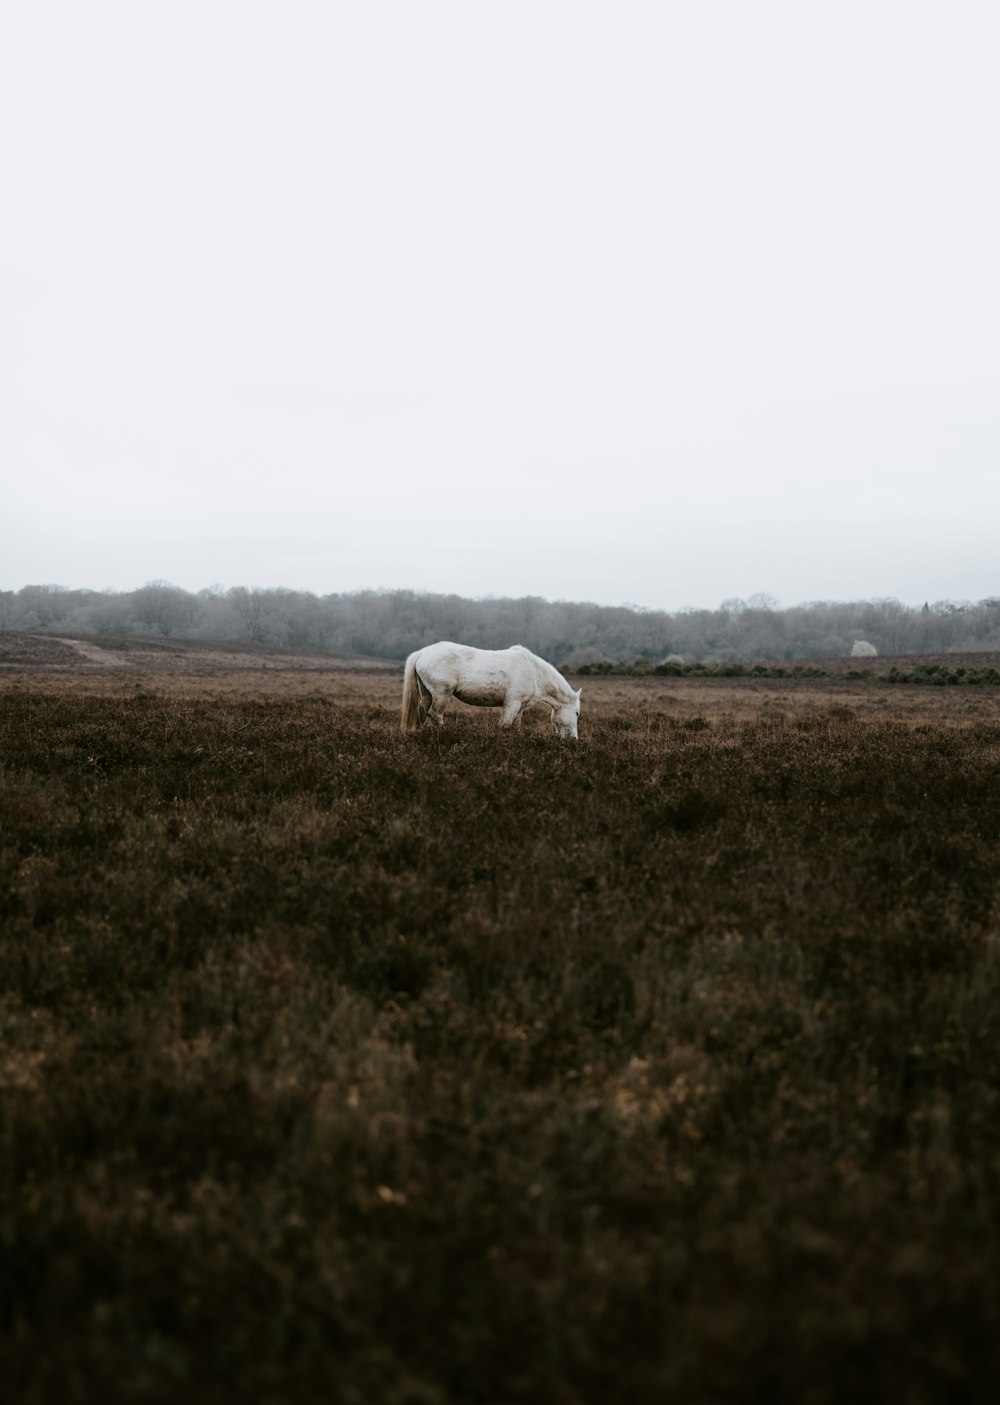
(391, 623)
(161, 607)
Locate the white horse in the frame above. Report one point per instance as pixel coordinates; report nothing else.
(513, 679)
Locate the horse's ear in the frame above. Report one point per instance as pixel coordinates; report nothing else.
(579, 691)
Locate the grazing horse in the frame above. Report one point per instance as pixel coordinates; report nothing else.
(513, 679)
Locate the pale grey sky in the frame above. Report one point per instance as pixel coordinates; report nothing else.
(650, 302)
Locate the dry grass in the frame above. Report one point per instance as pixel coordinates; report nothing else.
(339, 1064)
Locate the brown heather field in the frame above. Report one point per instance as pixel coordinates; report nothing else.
(343, 1065)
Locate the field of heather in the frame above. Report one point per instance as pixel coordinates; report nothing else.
(343, 1065)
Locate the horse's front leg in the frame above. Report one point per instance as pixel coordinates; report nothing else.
(511, 712)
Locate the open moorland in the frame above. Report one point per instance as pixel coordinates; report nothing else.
(338, 1064)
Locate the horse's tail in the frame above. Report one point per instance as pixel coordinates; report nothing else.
(410, 719)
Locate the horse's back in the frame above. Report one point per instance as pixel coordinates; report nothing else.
(477, 674)
(444, 654)
(445, 650)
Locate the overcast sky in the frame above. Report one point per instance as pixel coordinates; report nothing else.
(660, 303)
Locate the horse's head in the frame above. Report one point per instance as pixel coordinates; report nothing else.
(564, 717)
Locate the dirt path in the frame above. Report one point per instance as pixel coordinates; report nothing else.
(93, 653)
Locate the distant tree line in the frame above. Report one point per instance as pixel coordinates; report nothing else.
(390, 623)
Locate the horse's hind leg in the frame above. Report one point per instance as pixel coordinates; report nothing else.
(440, 696)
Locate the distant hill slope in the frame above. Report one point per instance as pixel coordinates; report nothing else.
(912, 668)
(979, 659)
(19, 649)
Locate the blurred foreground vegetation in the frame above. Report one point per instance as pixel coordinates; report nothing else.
(342, 1065)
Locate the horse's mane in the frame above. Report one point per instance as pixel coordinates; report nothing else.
(552, 676)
